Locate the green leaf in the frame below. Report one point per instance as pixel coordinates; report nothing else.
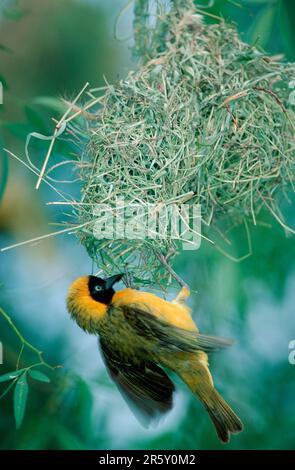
(262, 27)
(11, 375)
(37, 375)
(49, 102)
(20, 399)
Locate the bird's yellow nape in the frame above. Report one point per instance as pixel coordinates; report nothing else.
(82, 307)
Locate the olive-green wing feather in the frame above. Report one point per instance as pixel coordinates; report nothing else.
(169, 336)
(145, 387)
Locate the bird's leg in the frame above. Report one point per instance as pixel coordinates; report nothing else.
(181, 297)
(128, 278)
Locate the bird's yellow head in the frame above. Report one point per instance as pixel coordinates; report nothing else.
(88, 299)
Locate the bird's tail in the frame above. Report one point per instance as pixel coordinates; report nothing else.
(226, 422)
(199, 380)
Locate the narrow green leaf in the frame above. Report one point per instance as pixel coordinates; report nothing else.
(11, 375)
(20, 399)
(262, 27)
(51, 103)
(37, 375)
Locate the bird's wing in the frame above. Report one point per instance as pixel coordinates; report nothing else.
(173, 338)
(145, 387)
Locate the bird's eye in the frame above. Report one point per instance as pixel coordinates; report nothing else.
(97, 288)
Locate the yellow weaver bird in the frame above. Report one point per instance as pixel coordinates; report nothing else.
(139, 332)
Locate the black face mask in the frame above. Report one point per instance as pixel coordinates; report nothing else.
(102, 290)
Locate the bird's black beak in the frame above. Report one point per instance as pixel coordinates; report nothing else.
(110, 281)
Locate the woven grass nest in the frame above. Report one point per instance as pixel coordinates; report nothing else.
(205, 119)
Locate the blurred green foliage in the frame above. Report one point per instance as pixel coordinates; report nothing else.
(53, 48)
(267, 23)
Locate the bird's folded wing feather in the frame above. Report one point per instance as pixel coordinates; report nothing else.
(146, 388)
(148, 325)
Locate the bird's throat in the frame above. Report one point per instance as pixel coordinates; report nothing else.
(88, 314)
